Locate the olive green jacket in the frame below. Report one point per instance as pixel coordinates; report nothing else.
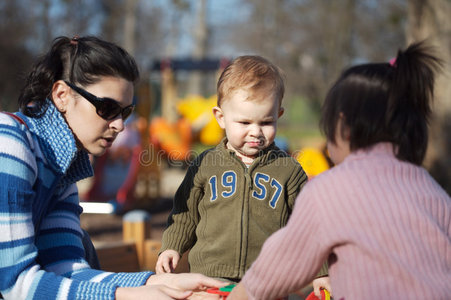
(223, 211)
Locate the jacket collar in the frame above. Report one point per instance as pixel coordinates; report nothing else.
(58, 144)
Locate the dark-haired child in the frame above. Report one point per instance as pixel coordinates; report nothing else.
(381, 220)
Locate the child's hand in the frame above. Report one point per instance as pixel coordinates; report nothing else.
(167, 261)
(319, 283)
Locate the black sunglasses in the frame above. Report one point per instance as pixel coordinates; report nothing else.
(106, 108)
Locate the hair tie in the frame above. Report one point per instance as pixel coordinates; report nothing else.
(392, 62)
(74, 40)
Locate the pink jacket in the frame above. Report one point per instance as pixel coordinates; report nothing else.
(383, 224)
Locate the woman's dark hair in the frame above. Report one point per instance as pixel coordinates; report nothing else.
(80, 60)
(385, 102)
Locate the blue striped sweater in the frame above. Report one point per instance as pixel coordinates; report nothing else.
(41, 252)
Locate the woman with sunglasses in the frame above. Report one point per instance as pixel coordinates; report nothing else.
(74, 103)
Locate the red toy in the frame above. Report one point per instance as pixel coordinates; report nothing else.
(325, 295)
(223, 292)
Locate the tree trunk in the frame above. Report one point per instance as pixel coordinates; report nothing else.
(200, 33)
(129, 25)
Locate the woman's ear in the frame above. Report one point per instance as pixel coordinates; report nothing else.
(60, 95)
(219, 115)
(343, 128)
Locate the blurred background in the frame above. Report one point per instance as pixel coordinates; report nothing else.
(181, 46)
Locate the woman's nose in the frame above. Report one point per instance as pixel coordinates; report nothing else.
(118, 124)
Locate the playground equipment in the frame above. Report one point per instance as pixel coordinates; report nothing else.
(116, 171)
(182, 120)
(313, 161)
(174, 139)
(196, 123)
(131, 173)
(122, 178)
(198, 111)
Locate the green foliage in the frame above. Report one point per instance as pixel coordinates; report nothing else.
(299, 111)
(299, 123)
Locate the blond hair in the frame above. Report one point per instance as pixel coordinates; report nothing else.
(254, 73)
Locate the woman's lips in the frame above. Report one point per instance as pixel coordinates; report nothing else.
(107, 142)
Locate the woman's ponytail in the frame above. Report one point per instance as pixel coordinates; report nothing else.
(47, 70)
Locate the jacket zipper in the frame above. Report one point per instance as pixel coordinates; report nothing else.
(243, 251)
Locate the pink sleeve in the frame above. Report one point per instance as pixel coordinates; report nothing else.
(292, 256)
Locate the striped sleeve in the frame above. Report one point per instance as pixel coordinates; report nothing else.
(61, 249)
(58, 245)
(17, 175)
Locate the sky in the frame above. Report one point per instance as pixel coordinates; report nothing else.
(220, 15)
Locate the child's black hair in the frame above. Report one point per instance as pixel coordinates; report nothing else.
(81, 60)
(385, 102)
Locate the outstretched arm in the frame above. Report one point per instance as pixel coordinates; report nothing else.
(290, 258)
(51, 264)
(170, 286)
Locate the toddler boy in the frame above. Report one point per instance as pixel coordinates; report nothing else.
(237, 194)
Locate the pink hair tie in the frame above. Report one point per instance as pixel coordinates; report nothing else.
(392, 62)
(74, 40)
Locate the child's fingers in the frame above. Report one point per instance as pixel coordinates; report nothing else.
(317, 291)
(162, 265)
(167, 265)
(321, 283)
(167, 262)
(175, 262)
(159, 267)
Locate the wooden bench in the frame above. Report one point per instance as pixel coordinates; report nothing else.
(136, 252)
(118, 257)
(123, 257)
